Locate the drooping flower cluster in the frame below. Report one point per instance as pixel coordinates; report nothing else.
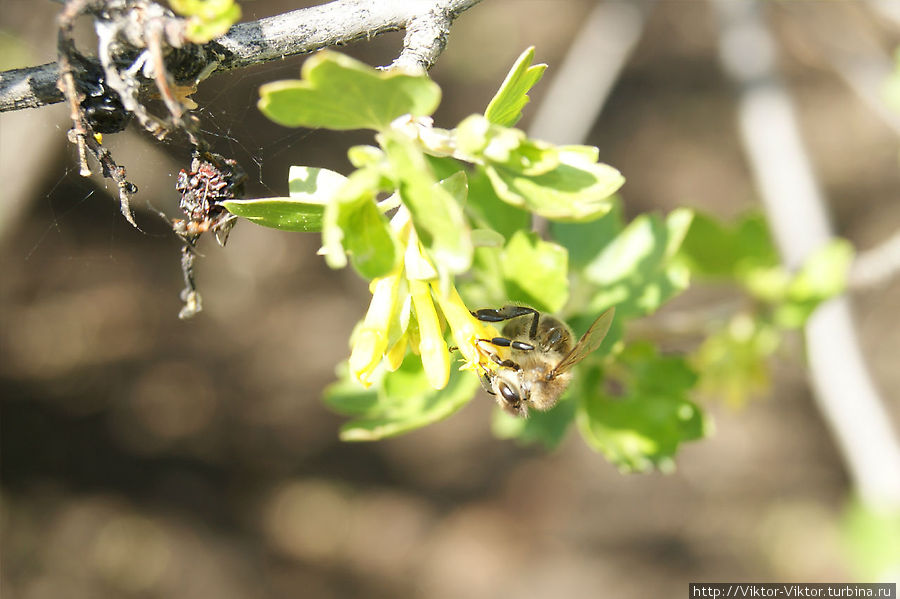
(410, 308)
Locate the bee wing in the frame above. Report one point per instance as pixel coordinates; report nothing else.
(589, 342)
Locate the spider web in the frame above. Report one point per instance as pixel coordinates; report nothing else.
(72, 213)
(231, 124)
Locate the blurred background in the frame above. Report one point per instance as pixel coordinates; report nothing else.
(144, 456)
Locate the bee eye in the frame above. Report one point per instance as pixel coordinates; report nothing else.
(509, 395)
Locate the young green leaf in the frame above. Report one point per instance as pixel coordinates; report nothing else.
(404, 402)
(338, 92)
(576, 190)
(636, 271)
(585, 241)
(547, 428)
(314, 185)
(488, 210)
(352, 223)
(207, 19)
(535, 272)
(368, 239)
(436, 207)
(823, 276)
(505, 108)
(310, 188)
(642, 426)
(715, 249)
(504, 146)
(285, 214)
(348, 397)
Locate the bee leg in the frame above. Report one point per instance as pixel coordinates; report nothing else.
(507, 313)
(504, 342)
(504, 313)
(486, 384)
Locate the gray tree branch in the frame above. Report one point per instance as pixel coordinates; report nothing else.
(427, 24)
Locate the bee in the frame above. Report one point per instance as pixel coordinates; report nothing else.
(542, 354)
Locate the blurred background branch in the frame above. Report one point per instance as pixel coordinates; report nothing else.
(797, 213)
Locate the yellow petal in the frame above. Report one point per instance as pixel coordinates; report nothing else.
(433, 348)
(368, 348)
(371, 340)
(396, 354)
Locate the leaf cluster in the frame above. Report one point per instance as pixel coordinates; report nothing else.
(439, 220)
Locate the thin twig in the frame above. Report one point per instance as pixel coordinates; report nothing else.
(857, 56)
(888, 9)
(81, 134)
(844, 391)
(876, 266)
(581, 85)
(274, 38)
(425, 39)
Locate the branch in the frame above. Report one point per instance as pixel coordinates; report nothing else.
(592, 66)
(427, 23)
(876, 266)
(795, 207)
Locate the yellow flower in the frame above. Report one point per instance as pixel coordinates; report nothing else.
(371, 340)
(466, 330)
(386, 331)
(432, 347)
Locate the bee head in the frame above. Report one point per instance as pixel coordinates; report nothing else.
(511, 395)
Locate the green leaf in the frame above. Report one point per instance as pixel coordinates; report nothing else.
(488, 210)
(547, 428)
(535, 272)
(505, 108)
(585, 241)
(348, 397)
(368, 240)
(285, 214)
(769, 285)
(636, 271)
(504, 146)
(822, 276)
(435, 207)
(207, 19)
(314, 185)
(714, 249)
(576, 190)
(352, 223)
(338, 92)
(310, 188)
(485, 287)
(560, 183)
(403, 402)
(642, 425)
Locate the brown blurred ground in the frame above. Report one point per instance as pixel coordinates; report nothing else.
(143, 456)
